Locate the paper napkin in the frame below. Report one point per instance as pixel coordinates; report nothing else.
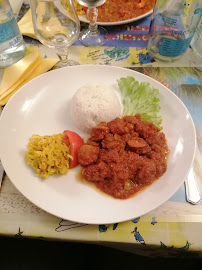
(26, 25)
(29, 67)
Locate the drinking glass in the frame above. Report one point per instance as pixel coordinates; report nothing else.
(92, 36)
(56, 25)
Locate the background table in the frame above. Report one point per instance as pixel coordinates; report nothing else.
(174, 228)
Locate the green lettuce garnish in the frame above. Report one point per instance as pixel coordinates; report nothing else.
(140, 98)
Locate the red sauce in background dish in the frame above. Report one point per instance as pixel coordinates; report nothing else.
(120, 10)
(123, 156)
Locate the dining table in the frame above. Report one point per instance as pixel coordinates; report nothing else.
(174, 229)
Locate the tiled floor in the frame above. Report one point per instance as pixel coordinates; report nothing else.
(28, 254)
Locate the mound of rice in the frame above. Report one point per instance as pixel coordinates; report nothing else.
(94, 103)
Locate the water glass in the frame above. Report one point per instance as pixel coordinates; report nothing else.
(56, 25)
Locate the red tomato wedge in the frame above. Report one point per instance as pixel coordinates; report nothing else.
(74, 142)
(85, 9)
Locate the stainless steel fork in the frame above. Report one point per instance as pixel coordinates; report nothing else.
(193, 183)
(1, 173)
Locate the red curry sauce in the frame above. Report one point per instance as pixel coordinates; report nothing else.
(120, 10)
(123, 156)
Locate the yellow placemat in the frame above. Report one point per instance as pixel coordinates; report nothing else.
(26, 25)
(26, 69)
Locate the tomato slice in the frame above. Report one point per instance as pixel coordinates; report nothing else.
(74, 142)
(85, 9)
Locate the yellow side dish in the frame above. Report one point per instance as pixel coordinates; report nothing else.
(79, 8)
(48, 155)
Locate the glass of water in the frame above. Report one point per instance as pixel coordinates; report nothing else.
(92, 36)
(56, 25)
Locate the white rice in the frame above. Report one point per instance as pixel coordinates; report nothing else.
(94, 103)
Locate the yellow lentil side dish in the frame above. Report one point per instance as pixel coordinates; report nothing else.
(79, 8)
(48, 155)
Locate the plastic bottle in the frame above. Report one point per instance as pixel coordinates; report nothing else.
(12, 47)
(173, 26)
(196, 43)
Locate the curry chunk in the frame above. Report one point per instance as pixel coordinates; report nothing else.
(87, 154)
(139, 145)
(98, 132)
(117, 126)
(97, 172)
(123, 156)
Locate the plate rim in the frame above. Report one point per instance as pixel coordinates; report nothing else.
(110, 67)
(83, 19)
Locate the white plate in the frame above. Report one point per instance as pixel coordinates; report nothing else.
(83, 18)
(42, 107)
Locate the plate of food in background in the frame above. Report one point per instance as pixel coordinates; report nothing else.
(96, 144)
(116, 12)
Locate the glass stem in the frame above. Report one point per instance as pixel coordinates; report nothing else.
(63, 55)
(92, 14)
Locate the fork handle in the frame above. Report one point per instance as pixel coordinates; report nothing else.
(1, 173)
(192, 190)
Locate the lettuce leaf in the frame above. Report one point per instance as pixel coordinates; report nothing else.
(140, 98)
